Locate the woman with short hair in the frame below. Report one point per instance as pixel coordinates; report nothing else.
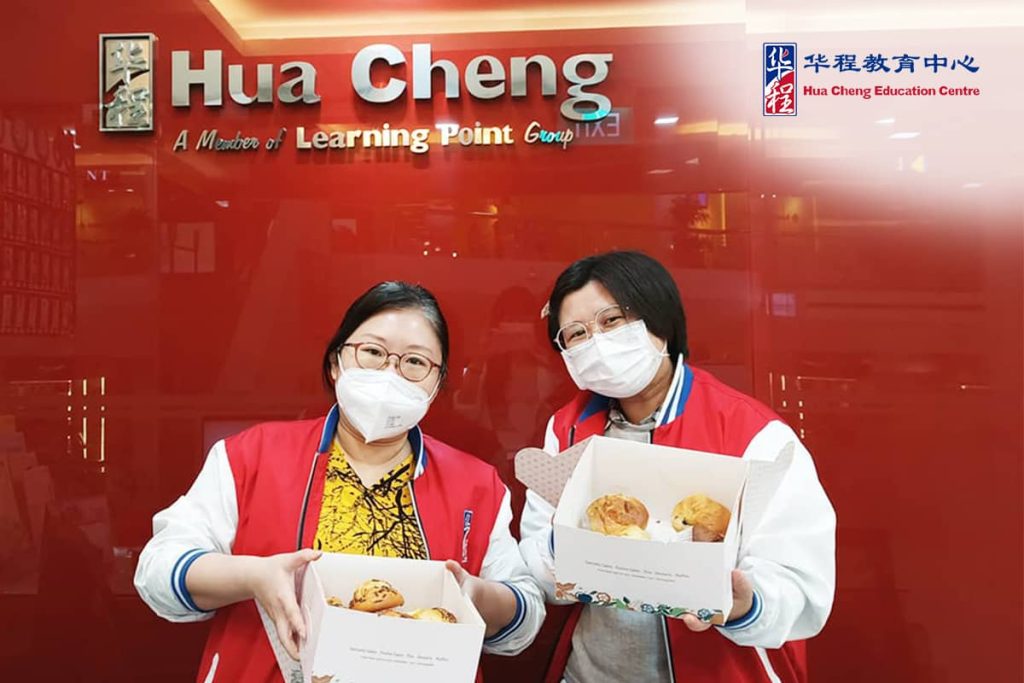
(618, 322)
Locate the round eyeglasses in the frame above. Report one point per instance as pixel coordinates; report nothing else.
(607, 319)
(414, 367)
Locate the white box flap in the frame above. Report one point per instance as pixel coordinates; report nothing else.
(291, 670)
(311, 603)
(762, 483)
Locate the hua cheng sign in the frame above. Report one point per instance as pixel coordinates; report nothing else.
(127, 93)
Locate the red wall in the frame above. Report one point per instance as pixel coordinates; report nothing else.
(877, 310)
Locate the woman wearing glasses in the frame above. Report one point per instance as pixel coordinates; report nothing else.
(618, 322)
(363, 480)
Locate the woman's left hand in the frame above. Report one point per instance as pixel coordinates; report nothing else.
(742, 601)
(471, 585)
(493, 600)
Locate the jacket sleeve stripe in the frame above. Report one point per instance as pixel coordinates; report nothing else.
(178, 574)
(517, 619)
(174, 576)
(756, 607)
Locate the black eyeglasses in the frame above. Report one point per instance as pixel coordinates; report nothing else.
(415, 367)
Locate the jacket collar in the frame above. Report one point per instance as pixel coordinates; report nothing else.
(678, 393)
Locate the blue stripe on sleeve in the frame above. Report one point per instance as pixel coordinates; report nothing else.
(756, 607)
(178, 575)
(517, 620)
(174, 576)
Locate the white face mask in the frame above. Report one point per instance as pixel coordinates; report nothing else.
(616, 364)
(380, 403)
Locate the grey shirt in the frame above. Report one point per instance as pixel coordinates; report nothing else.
(611, 644)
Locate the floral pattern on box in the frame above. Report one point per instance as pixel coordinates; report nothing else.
(570, 591)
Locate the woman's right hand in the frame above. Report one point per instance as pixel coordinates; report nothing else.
(272, 582)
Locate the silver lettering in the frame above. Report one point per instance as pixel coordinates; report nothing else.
(422, 70)
(207, 139)
(320, 140)
(264, 84)
(306, 80)
(601, 104)
(547, 75)
(182, 142)
(475, 81)
(363, 62)
(183, 77)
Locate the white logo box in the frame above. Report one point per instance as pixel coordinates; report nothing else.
(346, 646)
(669, 579)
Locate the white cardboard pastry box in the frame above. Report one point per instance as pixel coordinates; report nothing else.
(348, 646)
(654, 576)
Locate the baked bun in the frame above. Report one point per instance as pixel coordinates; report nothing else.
(393, 613)
(708, 518)
(633, 531)
(435, 614)
(376, 595)
(611, 514)
(335, 601)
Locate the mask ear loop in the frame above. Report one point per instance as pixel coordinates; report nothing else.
(664, 349)
(437, 387)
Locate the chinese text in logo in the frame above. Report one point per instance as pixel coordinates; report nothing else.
(126, 82)
(779, 79)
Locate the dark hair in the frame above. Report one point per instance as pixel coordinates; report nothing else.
(388, 296)
(636, 281)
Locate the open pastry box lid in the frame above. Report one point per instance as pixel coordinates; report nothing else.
(671, 579)
(348, 646)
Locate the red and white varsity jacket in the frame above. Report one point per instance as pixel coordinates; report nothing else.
(260, 492)
(790, 556)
